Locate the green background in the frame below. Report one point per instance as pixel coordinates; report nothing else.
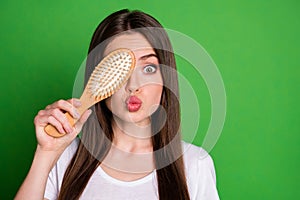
(255, 45)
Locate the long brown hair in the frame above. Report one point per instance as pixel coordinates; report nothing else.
(171, 176)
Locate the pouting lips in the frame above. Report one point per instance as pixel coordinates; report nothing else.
(133, 104)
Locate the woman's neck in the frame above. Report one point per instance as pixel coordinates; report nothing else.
(131, 151)
(131, 137)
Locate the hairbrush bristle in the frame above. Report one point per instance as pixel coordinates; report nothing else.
(111, 73)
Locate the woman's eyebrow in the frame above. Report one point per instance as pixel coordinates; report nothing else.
(148, 56)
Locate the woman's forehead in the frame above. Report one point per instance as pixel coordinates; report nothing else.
(136, 42)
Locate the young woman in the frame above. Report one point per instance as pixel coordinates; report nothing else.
(130, 146)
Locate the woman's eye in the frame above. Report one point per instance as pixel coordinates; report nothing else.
(150, 69)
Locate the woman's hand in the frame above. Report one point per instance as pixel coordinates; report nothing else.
(49, 148)
(54, 114)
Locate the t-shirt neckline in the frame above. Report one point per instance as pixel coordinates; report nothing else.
(125, 183)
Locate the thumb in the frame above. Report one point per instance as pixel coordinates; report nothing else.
(80, 122)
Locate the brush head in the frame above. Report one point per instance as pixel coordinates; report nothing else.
(111, 73)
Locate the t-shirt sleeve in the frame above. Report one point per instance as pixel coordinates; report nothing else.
(56, 175)
(206, 187)
(200, 171)
(52, 186)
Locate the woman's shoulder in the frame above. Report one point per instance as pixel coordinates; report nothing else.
(196, 159)
(193, 153)
(200, 172)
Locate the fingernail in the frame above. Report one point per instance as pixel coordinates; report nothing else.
(76, 114)
(70, 129)
(62, 131)
(77, 102)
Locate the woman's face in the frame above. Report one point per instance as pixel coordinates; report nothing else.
(140, 95)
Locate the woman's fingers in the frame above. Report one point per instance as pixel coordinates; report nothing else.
(75, 102)
(82, 120)
(54, 114)
(56, 124)
(68, 106)
(61, 117)
(44, 119)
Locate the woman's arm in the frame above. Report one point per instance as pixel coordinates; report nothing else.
(34, 184)
(49, 149)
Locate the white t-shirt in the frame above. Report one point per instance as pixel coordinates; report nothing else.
(199, 168)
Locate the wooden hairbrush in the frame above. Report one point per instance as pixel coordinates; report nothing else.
(108, 77)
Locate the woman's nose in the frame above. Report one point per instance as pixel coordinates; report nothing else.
(133, 84)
